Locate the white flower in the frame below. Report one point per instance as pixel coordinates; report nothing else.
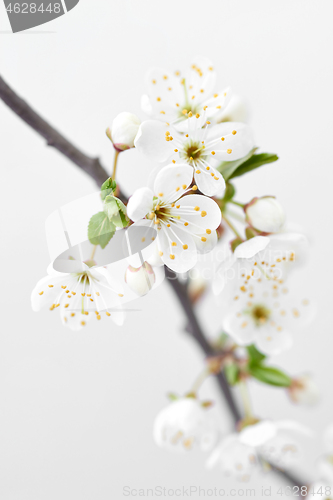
(303, 390)
(140, 279)
(201, 146)
(234, 458)
(123, 131)
(170, 94)
(183, 425)
(81, 295)
(180, 221)
(277, 442)
(265, 214)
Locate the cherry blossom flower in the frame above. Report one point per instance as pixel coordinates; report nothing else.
(276, 441)
(201, 146)
(172, 95)
(81, 295)
(182, 222)
(234, 458)
(184, 425)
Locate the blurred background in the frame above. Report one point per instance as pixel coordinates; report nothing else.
(76, 409)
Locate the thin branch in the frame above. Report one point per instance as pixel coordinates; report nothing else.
(93, 167)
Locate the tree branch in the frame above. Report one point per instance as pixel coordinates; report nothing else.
(94, 169)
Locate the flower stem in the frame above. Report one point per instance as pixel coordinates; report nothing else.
(116, 154)
(232, 227)
(242, 205)
(244, 392)
(200, 379)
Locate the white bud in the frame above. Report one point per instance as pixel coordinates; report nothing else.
(124, 128)
(304, 391)
(265, 214)
(140, 279)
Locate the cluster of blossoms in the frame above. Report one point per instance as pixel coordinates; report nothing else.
(200, 143)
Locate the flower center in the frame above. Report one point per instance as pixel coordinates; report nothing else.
(193, 151)
(260, 314)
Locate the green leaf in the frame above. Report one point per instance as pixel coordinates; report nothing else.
(110, 206)
(116, 211)
(229, 192)
(254, 162)
(255, 355)
(227, 168)
(100, 229)
(108, 187)
(270, 375)
(231, 372)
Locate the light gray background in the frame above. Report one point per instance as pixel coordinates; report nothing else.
(76, 409)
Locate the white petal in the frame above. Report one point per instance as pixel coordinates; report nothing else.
(271, 341)
(251, 247)
(140, 204)
(293, 425)
(207, 183)
(206, 242)
(150, 141)
(238, 145)
(201, 212)
(172, 181)
(220, 275)
(258, 434)
(183, 259)
(239, 326)
(48, 290)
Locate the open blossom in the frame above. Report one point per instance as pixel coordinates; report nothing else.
(183, 425)
(200, 146)
(81, 295)
(265, 214)
(170, 94)
(234, 458)
(124, 128)
(303, 390)
(276, 441)
(252, 284)
(180, 221)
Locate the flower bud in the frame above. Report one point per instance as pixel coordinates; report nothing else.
(124, 128)
(265, 214)
(140, 279)
(303, 391)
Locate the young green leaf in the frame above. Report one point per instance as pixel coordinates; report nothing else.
(254, 162)
(270, 375)
(100, 229)
(110, 206)
(227, 168)
(255, 356)
(108, 187)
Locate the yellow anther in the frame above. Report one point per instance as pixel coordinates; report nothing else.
(208, 231)
(173, 161)
(120, 294)
(172, 256)
(154, 81)
(72, 314)
(184, 186)
(66, 305)
(167, 133)
(186, 135)
(177, 73)
(160, 194)
(197, 172)
(65, 319)
(165, 77)
(205, 107)
(202, 90)
(216, 178)
(194, 188)
(208, 122)
(160, 253)
(168, 225)
(184, 111)
(185, 223)
(229, 151)
(83, 294)
(193, 97)
(162, 112)
(176, 150)
(157, 208)
(157, 221)
(218, 107)
(222, 138)
(107, 313)
(210, 68)
(177, 206)
(174, 244)
(88, 294)
(197, 115)
(74, 293)
(182, 81)
(203, 239)
(213, 153)
(216, 95)
(41, 293)
(86, 313)
(203, 213)
(243, 289)
(158, 99)
(190, 114)
(83, 323)
(64, 286)
(197, 208)
(98, 316)
(50, 286)
(177, 188)
(234, 132)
